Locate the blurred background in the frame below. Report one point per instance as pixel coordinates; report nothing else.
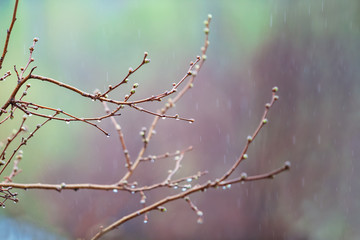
(309, 49)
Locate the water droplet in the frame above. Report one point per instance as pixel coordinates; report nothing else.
(189, 179)
(132, 192)
(183, 189)
(163, 117)
(67, 121)
(115, 190)
(200, 221)
(176, 187)
(152, 160)
(99, 120)
(145, 221)
(108, 135)
(3, 206)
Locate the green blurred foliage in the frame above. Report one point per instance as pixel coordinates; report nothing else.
(307, 48)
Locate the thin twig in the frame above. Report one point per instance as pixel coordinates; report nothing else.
(8, 34)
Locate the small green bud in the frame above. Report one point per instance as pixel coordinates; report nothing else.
(206, 30)
(265, 121)
(162, 209)
(287, 165)
(243, 175)
(135, 85)
(245, 156)
(275, 89)
(132, 91)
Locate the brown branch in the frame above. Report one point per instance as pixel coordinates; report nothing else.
(19, 104)
(263, 121)
(165, 155)
(121, 137)
(154, 206)
(126, 78)
(23, 142)
(197, 65)
(8, 34)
